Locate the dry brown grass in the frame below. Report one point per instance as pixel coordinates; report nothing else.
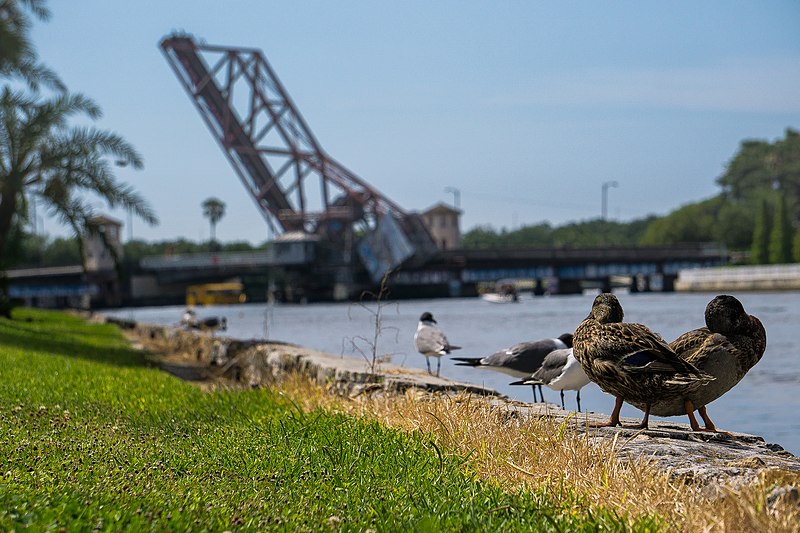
(542, 454)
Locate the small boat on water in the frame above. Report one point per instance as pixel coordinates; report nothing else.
(505, 293)
(497, 298)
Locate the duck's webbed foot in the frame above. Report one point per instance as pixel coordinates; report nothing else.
(645, 420)
(710, 425)
(614, 420)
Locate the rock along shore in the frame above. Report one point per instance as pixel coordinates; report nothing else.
(709, 459)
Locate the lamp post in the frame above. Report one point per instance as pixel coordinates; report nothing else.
(456, 196)
(604, 200)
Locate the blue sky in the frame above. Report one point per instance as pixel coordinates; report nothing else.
(525, 107)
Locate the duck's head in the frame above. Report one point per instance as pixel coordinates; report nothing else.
(427, 317)
(725, 314)
(606, 309)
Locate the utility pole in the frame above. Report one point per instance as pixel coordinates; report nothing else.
(456, 196)
(604, 199)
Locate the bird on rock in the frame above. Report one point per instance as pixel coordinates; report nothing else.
(520, 360)
(431, 341)
(560, 371)
(727, 348)
(630, 361)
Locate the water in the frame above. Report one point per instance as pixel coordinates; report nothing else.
(764, 403)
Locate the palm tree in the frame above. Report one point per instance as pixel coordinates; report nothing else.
(17, 53)
(213, 210)
(64, 167)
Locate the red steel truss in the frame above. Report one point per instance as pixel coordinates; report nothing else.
(267, 141)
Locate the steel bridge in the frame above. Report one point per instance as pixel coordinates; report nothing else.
(294, 183)
(460, 272)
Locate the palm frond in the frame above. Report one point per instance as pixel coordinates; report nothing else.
(36, 75)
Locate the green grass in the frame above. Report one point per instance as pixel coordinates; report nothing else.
(92, 438)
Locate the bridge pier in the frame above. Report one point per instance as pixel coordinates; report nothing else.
(569, 286)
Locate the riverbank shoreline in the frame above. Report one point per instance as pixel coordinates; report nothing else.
(710, 460)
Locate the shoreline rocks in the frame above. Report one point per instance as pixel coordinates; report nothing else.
(710, 460)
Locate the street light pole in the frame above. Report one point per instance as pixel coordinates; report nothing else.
(456, 196)
(604, 199)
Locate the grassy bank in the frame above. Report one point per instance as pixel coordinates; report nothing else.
(93, 438)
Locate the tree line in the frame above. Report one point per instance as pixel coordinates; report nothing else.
(756, 212)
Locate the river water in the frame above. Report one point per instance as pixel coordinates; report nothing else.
(764, 403)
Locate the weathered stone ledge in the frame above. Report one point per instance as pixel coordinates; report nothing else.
(709, 459)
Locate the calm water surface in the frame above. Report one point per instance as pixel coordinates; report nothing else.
(764, 403)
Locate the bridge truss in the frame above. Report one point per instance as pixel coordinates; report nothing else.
(295, 184)
(278, 160)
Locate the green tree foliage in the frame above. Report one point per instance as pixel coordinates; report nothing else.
(596, 232)
(759, 250)
(480, 237)
(690, 223)
(732, 218)
(796, 247)
(17, 52)
(780, 237)
(761, 167)
(64, 167)
(41, 251)
(213, 210)
(735, 221)
(136, 249)
(599, 232)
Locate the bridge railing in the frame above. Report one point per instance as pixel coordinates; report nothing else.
(207, 260)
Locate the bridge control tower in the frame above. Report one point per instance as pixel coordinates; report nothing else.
(296, 186)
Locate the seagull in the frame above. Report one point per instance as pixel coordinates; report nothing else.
(212, 324)
(430, 341)
(520, 360)
(560, 371)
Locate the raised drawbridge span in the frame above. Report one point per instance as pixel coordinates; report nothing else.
(295, 184)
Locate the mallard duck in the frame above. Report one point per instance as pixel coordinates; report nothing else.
(431, 341)
(630, 361)
(727, 348)
(520, 360)
(560, 371)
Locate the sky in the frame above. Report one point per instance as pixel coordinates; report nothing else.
(525, 108)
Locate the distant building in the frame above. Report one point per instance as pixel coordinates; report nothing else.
(98, 256)
(73, 286)
(443, 223)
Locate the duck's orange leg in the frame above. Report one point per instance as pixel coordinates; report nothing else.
(710, 425)
(689, 406)
(704, 414)
(614, 420)
(646, 419)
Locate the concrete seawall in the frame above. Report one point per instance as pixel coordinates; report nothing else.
(710, 460)
(740, 278)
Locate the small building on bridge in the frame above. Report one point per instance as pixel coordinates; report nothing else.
(444, 224)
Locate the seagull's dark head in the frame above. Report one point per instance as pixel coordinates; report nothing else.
(427, 317)
(566, 338)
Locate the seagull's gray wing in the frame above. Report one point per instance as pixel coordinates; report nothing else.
(552, 366)
(431, 341)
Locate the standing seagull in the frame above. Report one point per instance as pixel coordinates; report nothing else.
(520, 360)
(430, 341)
(560, 371)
